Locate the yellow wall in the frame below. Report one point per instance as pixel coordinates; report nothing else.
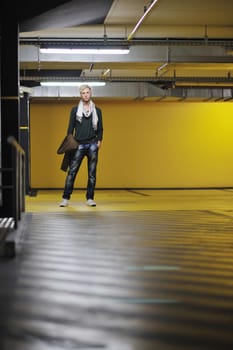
(146, 144)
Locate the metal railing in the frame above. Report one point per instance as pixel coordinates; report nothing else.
(16, 202)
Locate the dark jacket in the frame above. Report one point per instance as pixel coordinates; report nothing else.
(67, 147)
(69, 143)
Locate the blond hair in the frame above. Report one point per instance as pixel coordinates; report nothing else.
(83, 87)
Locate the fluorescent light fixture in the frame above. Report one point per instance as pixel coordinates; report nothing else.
(71, 83)
(108, 51)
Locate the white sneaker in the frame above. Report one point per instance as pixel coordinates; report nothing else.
(64, 203)
(91, 203)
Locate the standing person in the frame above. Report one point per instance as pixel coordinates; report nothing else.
(87, 126)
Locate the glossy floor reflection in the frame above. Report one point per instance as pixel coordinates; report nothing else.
(142, 270)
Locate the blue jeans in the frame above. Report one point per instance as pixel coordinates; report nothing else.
(90, 150)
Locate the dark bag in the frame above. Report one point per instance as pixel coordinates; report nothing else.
(68, 144)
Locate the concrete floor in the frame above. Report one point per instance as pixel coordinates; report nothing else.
(144, 270)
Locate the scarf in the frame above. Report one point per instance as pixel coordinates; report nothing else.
(81, 112)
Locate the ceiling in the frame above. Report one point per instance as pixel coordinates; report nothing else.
(181, 49)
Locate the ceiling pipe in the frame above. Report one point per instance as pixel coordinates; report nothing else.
(141, 20)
